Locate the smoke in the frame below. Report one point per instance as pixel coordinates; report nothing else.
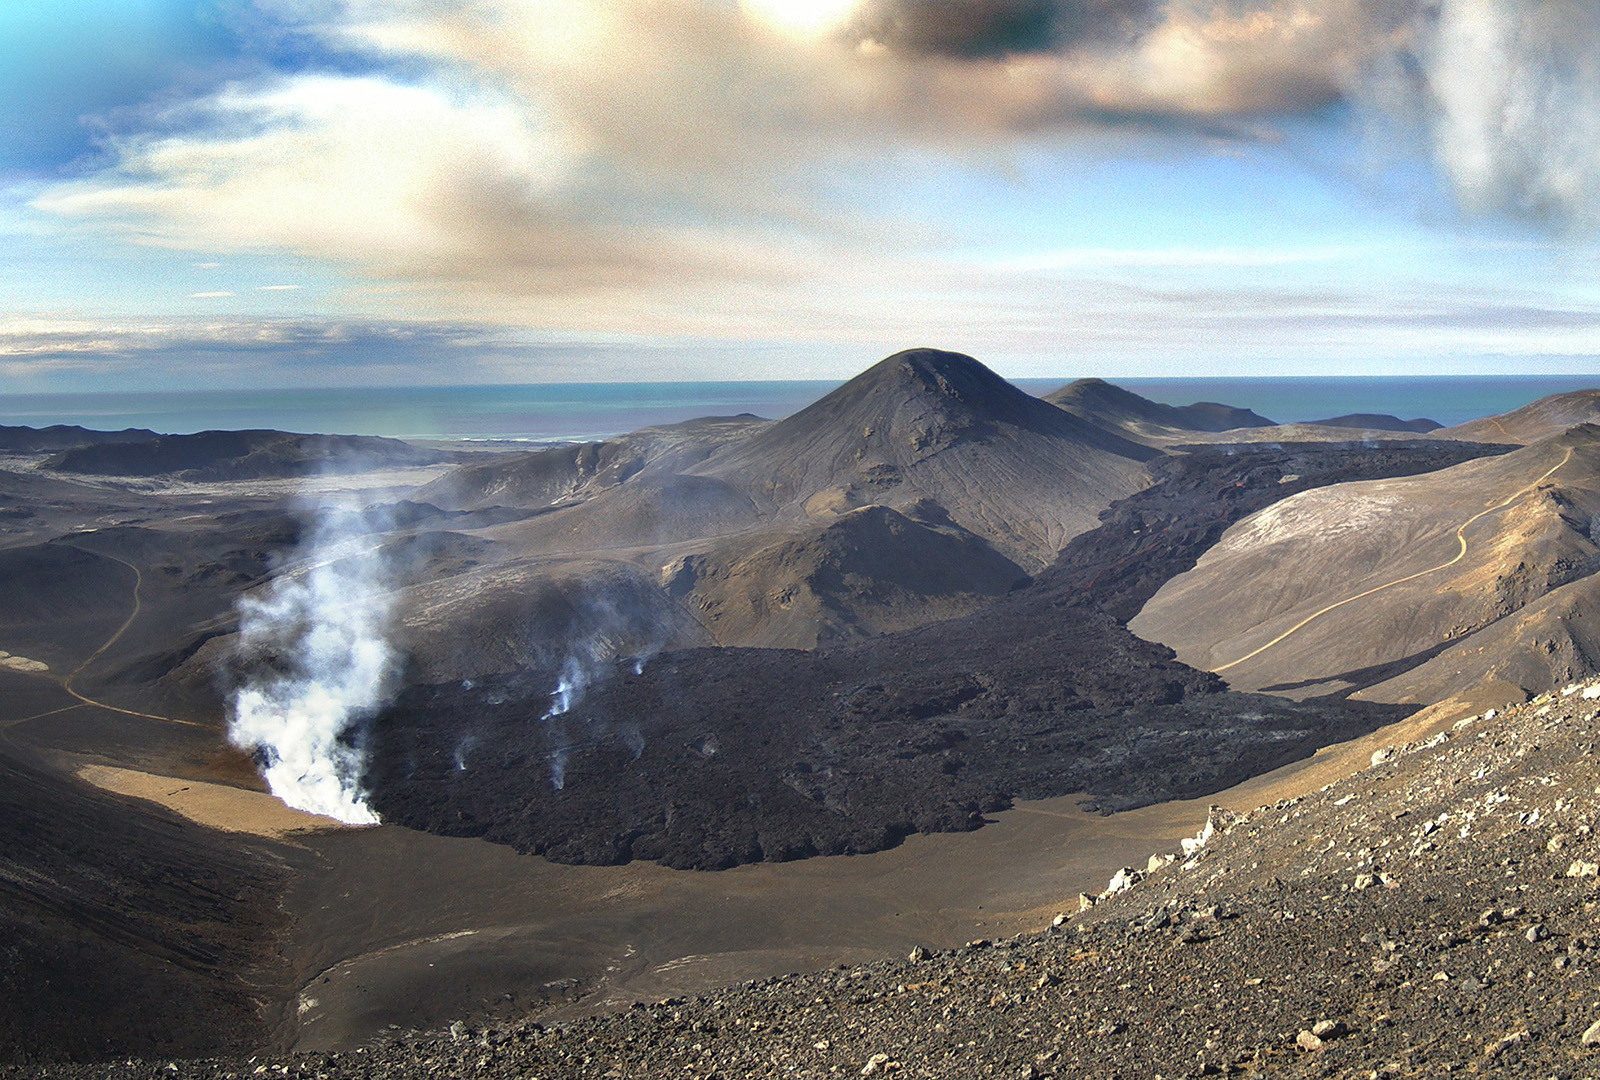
(323, 628)
(608, 629)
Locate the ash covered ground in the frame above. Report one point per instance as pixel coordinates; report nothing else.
(710, 758)
(1431, 914)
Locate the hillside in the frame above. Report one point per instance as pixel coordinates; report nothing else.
(1115, 409)
(240, 455)
(1323, 590)
(1539, 420)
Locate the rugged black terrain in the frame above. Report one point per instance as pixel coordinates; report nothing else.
(714, 757)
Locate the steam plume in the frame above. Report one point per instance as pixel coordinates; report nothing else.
(606, 627)
(325, 626)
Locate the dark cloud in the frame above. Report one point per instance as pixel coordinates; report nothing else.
(986, 29)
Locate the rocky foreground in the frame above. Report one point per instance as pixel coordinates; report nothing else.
(1437, 913)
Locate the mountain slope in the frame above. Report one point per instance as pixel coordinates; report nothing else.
(241, 455)
(1349, 578)
(925, 424)
(1116, 409)
(1539, 420)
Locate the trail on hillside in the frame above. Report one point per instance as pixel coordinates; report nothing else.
(1461, 539)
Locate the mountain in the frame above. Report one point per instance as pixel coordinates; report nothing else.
(1539, 420)
(916, 491)
(1354, 584)
(240, 455)
(931, 425)
(1379, 422)
(1114, 409)
(29, 440)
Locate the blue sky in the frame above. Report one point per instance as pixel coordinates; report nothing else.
(231, 193)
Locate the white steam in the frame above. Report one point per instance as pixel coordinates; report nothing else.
(607, 630)
(326, 624)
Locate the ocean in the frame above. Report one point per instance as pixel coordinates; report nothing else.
(577, 411)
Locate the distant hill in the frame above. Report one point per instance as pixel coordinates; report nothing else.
(240, 455)
(1379, 422)
(29, 440)
(1112, 408)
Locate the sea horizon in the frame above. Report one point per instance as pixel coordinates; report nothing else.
(568, 412)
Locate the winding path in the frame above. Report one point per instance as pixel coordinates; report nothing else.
(83, 699)
(1461, 539)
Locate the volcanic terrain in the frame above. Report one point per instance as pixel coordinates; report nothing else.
(737, 641)
(1484, 571)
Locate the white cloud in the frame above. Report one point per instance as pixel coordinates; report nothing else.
(673, 166)
(1516, 89)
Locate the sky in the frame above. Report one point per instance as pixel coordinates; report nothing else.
(298, 193)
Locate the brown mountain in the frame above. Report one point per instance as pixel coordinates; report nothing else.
(1360, 583)
(911, 493)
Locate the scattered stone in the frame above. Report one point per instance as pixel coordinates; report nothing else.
(1122, 881)
(1328, 1029)
(1308, 1041)
(880, 1063)
(917, 955)
(1537, 932)
(1501, 1045)
(1581, 869)
(1591, 1034)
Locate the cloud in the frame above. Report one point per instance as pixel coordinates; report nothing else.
(1513, 105)
(684, 166)
(996, 28)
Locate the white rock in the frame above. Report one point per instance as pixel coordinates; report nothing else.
(1122, 881)
(1380, 756)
